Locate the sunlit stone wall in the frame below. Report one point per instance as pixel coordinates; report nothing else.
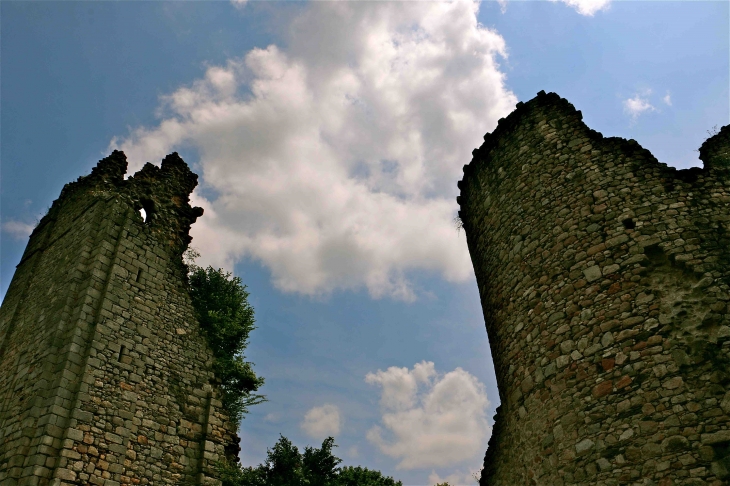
(604, 278)
(105, 377)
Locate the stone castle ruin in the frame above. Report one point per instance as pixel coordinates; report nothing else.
(604, 278)
(105, 377)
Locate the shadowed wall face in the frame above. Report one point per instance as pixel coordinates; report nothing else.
(104, 374)
(605, 284)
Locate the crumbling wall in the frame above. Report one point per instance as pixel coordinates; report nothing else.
(105, 377)
(604, 277)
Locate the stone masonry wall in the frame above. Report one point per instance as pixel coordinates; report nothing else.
(105, 377)
(604, 278)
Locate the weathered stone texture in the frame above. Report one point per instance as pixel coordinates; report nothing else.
(105, 377)
(604, 278)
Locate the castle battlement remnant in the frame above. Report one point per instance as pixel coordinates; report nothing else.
(604, 278)
(105, 377)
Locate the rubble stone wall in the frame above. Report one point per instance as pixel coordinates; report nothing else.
(604, 278)
(105, 377)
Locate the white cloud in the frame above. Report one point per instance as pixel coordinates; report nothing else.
(443, 425)
(239, 3)
(321, 422)
(667, 99)
(335, 162)
(353, 452)
(587, 7)
(271, 417)
(400, 385)
(17, 230)
(637, 106)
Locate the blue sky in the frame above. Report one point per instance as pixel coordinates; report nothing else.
(329, 137)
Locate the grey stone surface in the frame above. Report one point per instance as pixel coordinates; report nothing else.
(606, 275)
(97, 383)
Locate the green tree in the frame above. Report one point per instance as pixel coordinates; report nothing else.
(285, 466)
(358, 476)
(320, 466)
(226, 319)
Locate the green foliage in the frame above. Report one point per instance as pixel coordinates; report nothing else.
(231, 474)
(358, 476)
(283, 465)
(286, 466)
(226, 319)
(319, 465)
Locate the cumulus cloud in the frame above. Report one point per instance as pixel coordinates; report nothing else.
(16, 229)
(443, 425)
(636, 106)
(587, 7)
(334, 162)
(322, 422)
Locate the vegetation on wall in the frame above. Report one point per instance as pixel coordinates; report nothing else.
(286, 466)
(226, 319)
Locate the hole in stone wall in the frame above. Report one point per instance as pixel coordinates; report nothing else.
(124, 356)
(656, 255)
(147, 211)
(139, 274)
(629, 223)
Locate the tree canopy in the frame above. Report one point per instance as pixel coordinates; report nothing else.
(286, 466)
(226, 319)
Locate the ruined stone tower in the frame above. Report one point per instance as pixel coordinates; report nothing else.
(104, 374)
(604, 277)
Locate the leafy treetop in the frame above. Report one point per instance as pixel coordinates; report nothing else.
(286, 466)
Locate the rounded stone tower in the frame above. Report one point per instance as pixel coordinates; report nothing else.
(604, 278)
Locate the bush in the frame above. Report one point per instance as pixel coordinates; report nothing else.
(226, 319)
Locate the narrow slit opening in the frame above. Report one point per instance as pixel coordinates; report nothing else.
(121, 353)
(139, 274)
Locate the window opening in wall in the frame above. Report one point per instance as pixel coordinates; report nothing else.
(147, 211)
(122, 353)
(629, 223)
(139, 274)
